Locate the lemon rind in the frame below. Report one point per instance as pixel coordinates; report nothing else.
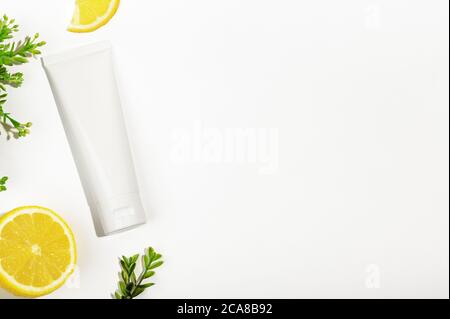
(100, 22)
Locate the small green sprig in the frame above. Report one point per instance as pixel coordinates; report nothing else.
(130, 285)
(9, 123)
(14, 53)
(3, 181)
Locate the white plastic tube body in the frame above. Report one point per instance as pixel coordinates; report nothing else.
(85, 90)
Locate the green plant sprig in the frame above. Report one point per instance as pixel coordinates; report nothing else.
(12, 54)
(130, 285)
(3, 181)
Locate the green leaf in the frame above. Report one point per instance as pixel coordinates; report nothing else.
(156, 265)
(124, 266)
(148, 274)
(145, 286)
(150, 252)
(19, 60)
(146, 261)
(14, 122)
(123, 288)
(137, 292)
(132, 267)
(156, 257)
(124, 276)
(134, 258)
(133, 278)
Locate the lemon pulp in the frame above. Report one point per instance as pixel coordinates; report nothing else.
(37, 251)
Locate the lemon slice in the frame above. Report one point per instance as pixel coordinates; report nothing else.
(89, 15)
(37, 251)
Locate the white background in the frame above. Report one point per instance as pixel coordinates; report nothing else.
(358, 91)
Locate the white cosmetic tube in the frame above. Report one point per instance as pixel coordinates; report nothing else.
(85, 91)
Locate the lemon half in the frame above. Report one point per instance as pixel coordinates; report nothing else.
(37, 251)
(89, 15)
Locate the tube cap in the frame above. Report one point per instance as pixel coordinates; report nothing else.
(118, 214)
